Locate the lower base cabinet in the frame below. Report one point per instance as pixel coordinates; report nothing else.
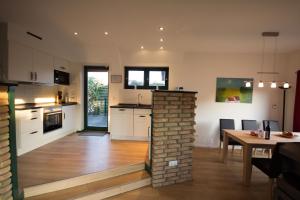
(130, 124)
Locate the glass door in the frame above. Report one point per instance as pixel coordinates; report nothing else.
(96, 98)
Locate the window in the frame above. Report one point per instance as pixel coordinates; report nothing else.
(146, 78)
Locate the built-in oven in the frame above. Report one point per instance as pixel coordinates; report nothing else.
(52, 118)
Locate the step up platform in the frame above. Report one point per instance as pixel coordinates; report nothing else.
(97, 185)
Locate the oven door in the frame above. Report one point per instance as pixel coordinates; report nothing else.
(52, 121)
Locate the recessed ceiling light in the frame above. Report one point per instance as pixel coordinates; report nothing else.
(105, 33)
(161, 48)
(75, 33)
(161, 28)
(142, 47)
(161, 39)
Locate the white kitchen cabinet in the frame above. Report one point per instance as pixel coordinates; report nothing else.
(61, 64)
(69, 118)
(129, 123)
(122, 123)
(29, 65)
(43, 67)
(142, 122)
(20, 62)
(29, 129)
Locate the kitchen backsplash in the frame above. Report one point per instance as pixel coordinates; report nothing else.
(35, 94)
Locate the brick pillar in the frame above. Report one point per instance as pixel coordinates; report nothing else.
(172, 136)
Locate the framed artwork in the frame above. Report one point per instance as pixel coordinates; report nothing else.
(116, 78)
(234, 90)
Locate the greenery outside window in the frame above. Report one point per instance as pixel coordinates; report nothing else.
(146, 78)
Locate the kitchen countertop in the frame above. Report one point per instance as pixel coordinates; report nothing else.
(135, 106)
(27, 106)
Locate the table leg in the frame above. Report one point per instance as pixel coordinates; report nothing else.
(225, 147)
(247, 165)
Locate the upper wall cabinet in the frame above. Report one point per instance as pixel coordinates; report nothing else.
(23, 57)
(61, 64)
(43, 67)
(29, 65)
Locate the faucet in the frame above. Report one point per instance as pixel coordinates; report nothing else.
(139, 98)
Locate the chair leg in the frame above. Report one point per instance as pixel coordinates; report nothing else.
(220, 146)
(271, 187)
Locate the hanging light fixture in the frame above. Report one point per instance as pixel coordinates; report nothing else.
(273, 83)
(261, 84)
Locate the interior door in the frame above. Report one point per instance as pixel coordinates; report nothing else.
(96, 98)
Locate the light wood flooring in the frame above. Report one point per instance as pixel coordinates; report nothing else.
(212, 180)
(76, 155)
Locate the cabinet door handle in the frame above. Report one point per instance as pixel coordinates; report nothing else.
(33, 118)
(33, 111)
(31, 76)
(142, 116)
(35, 76)
(64, 115)
(121, 109)
(33, 132)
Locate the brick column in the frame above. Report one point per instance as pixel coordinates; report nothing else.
(172, 136)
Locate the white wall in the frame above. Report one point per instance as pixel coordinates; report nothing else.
(198, 72)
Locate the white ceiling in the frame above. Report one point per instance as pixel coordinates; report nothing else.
(191, 25)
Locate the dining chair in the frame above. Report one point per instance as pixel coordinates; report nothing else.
(227, 124)
(288, 183)
(249, 124)
(274, 125)
(269, 166)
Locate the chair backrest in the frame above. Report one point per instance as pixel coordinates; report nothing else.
(274, 125)
(226, 124)
(290, 158)
(249, 124)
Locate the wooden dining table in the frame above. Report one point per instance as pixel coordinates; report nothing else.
(249, 142)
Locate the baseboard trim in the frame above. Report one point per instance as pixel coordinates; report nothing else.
(81, 180)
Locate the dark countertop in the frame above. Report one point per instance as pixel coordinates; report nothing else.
(135, 106)
(27, 106)
(175, 91)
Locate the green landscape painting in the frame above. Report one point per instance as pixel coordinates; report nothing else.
(234, 90)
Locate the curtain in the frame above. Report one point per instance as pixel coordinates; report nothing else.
(296, 126)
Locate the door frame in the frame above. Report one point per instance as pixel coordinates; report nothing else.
(88, 68)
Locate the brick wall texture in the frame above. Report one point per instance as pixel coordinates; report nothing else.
(172, 137)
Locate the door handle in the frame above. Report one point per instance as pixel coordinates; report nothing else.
(142, 116)
(33, 132)
(33, 118)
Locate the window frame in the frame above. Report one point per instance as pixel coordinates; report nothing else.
(146, 70)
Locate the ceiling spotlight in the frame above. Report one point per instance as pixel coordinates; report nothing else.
(142, 47)
(161, 28)
(105, 33)
(75, 33)
(273, 85)
(261, 84)
(286, 85)
(248, 84)
(161, 48)
(161, 39)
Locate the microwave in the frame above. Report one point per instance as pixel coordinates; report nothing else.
(61, 78)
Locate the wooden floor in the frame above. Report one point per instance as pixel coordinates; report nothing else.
(212, 180)
(76, 155)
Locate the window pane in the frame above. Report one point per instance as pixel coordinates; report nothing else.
(157, 78)
(135, 78)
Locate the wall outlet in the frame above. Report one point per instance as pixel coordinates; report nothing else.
(173, 163)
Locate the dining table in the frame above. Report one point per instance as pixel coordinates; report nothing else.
(249, 142)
